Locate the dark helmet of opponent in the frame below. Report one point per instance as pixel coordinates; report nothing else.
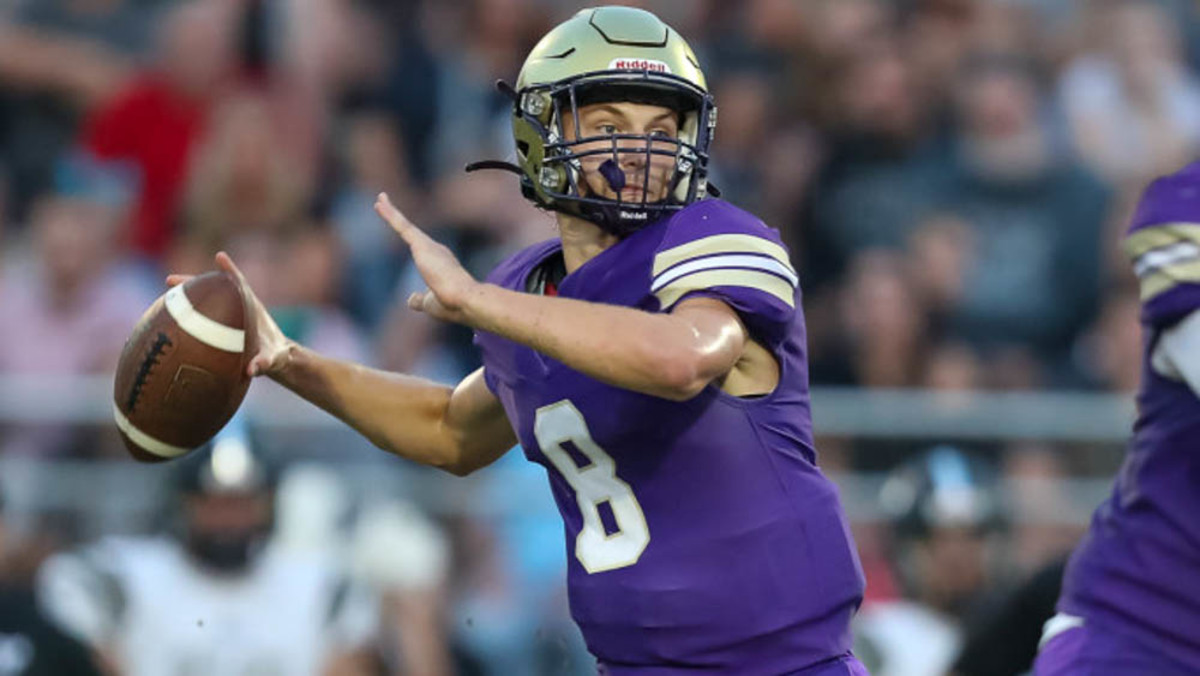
(600, 55)
(943, 487)
(226, 492)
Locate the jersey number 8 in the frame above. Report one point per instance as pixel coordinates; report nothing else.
(594, 484)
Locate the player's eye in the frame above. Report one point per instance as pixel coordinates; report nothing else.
(607, 129)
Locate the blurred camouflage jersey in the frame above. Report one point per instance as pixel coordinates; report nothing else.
(700, 533)
(1137, 571)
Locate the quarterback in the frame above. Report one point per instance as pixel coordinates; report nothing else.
(651, 357)
(1130, 602)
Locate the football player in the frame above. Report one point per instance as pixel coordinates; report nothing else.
(651, 358)
(1130, 602)
(215, 598)
(944, 511)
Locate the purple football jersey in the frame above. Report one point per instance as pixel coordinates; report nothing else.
(1137, 571)
(700, 534)
(1091, 649)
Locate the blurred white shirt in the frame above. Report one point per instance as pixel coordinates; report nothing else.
(908, 638)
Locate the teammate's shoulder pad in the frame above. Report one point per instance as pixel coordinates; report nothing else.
(1169, 199)
(1163, 246)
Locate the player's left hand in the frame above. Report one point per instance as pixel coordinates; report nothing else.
(450, 285)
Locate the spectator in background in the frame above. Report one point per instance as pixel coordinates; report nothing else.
(1133, 105)
(473, 118)
(944, 507)
(766, 156)
(243, 177)
(299, 273)
(875, 181)
(746, 130)
(1046, 516)
(69, 306)
(882, 330)
(1107, 354)
(123, 26)
(937, 36)
(154, 123)
(372, 159)
(309, 271)
(951, 368)
(1030, 265)
(57, 59)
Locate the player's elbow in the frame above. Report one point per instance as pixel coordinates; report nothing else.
(453, 459)
(460, 457)
(460, 467)
(681, 377)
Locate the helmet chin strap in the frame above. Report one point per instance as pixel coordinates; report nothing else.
(494, 164)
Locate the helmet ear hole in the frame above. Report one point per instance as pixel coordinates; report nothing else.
(553, 178)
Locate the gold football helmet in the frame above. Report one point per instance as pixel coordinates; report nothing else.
(608, 54)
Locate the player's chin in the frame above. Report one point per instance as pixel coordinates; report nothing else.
(635, 196)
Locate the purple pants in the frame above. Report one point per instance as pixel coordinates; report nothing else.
(847, 665)
(1091, 651)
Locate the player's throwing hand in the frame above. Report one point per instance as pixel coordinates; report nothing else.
(450, 285)
(272, 353)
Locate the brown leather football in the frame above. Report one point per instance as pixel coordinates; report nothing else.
(182, 373)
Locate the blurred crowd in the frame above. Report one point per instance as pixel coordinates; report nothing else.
(952, 177)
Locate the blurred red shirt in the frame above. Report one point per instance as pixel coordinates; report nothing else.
(154, 127)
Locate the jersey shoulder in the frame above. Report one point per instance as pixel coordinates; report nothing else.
(713, 248)
(1163, 246)
(512, 272)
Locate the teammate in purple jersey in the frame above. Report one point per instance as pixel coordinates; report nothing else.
(651, 358)
(1131, 594)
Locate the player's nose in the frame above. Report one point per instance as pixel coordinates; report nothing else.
(632, 154)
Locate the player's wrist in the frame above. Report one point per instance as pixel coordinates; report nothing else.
(476, 304)
(286, 362)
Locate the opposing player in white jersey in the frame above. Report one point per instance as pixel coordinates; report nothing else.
(219, 600)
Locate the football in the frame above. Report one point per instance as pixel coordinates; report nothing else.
(182, 373)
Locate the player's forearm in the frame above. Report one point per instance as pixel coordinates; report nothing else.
(400, 414)
(630, 348)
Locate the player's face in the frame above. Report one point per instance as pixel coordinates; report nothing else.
(953, 566)
(223, 531)
(228, 513)
(644, 180)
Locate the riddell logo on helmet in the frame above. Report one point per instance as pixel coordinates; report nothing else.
(639, 64)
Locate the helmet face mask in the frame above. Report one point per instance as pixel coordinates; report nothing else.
(225, 496)
(613, 55)
(225, 532)
(625, 180)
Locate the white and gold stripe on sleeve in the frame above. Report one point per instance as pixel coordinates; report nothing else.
(724, 260)
(1165, 256)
